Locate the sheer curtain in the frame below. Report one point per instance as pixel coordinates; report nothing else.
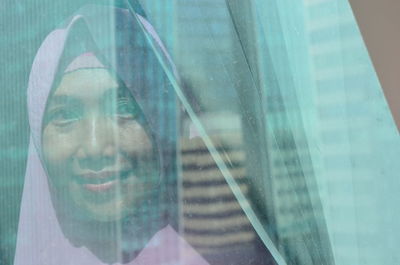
(288, 147)
(335, 103)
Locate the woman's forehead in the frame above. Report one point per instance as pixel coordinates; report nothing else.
(86, 84)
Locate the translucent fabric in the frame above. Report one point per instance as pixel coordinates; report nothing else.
(274, 142)
(319, 137)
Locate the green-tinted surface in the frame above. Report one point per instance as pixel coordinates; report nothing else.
(288, 85)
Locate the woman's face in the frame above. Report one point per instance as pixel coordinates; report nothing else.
(99, 158)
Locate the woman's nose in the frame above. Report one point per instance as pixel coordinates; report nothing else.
(99, 137)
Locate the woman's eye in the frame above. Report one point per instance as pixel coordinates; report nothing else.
(126, 109)
(62, 117)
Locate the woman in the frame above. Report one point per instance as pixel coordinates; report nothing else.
(100, 183)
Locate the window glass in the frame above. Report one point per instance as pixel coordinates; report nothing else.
(193, 132)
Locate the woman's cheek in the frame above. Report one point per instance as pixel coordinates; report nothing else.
(59, 146)
(134, 139)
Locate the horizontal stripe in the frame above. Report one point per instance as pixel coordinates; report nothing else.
(212, 183)
(216, 240)
(194, 167)
(210, 209)
(212, 192)
(211, 175)
(209, 201)
(236, 156)
(221, 140)
(204, 150)
(219, 215)
(224, 231)
(215, 224)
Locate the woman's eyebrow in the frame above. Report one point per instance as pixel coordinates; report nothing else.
(115, 93)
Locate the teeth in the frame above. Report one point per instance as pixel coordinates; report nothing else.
(104, 180)
(99, 180)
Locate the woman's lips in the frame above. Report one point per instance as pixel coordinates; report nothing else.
(98, 175)
(101, 187)
(101, 181)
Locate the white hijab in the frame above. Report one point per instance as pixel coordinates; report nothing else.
(40, 239)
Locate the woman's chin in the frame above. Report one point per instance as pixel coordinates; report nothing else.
(105, 212)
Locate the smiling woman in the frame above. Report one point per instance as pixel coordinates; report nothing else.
(95, 147)
(100, 177)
